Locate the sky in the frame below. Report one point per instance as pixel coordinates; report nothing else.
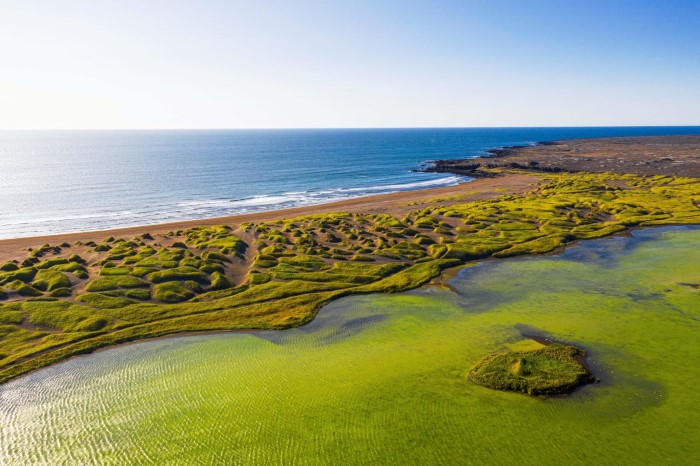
(364, 63)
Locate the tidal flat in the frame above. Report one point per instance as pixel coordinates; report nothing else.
(379, 378)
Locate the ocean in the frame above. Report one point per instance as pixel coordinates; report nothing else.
(65, 181)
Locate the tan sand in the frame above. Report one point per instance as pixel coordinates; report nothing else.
(395, 204)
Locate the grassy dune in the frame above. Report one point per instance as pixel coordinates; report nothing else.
(67, 299)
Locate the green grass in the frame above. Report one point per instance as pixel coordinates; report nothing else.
(63, 315)
(214, 256)
(145, 289)
(48, 263)
(71, 267)
(61, 293)
(23, 289)
(116, 270)
(178, 274)
(50, 280)
(142, 294)
(216, 237)
(171, 292)
(109, 283)
(104, 301)
(11, 315)
(555, 369)
(24, 274)
(8, 267)
(219, 282)
(259, 278)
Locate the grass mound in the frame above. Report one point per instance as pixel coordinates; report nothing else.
(556, 369)
(171, 292)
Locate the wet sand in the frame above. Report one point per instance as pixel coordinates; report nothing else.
(395, 204)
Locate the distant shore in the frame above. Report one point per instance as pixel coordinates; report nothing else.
(644, 155)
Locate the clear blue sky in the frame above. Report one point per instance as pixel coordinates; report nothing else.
(243, 64)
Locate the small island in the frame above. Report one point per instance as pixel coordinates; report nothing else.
(555, 369)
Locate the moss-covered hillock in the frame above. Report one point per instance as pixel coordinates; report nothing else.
(555, 369)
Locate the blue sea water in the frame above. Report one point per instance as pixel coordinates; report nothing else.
(62, 181)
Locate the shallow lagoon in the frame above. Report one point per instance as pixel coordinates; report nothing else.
(381, 378)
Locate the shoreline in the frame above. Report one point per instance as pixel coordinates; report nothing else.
(426, 185)
(508, 157)
(477, 189)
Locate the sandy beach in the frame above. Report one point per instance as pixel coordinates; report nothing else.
(395, 204)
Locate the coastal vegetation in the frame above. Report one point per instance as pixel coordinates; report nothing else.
(555, 369)
(67, 299)
(381, 370)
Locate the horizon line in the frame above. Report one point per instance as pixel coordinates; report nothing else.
(295, 128)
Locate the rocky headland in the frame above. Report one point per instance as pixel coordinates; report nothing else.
(647, 156)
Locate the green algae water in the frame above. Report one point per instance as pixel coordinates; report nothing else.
(381, 378)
